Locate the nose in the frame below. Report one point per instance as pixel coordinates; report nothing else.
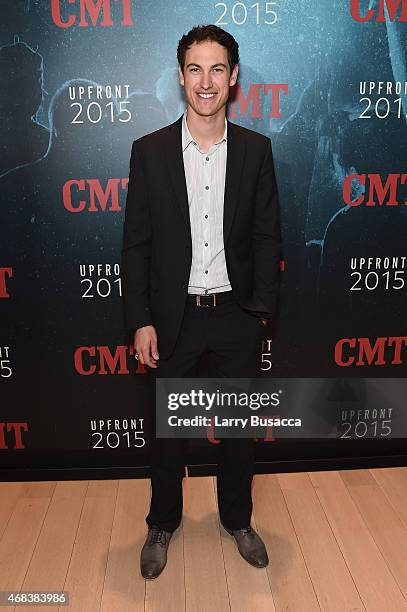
(206, 80)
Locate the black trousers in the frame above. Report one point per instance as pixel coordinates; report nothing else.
(232, 338)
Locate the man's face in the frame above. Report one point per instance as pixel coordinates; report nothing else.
(207, 77)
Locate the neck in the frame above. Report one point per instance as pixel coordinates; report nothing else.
(206, 130)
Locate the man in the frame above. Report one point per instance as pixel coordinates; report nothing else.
(200, 264)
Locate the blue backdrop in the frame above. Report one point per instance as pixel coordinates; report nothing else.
(79, 82)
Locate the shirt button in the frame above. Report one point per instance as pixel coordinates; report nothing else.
(206, 244)
(206, 271)
(206, 216)
(207, 187)
(207, 159)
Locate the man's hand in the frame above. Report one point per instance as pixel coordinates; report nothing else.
(145, 345)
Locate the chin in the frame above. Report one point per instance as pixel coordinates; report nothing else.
(201, 111)
(207, 113)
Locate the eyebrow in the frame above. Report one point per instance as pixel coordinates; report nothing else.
(213, 66)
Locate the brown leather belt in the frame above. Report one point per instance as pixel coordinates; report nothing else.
(210, 299)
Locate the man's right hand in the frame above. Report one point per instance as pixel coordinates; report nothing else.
(145, 345)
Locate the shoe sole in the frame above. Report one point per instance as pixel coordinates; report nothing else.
(154, 577)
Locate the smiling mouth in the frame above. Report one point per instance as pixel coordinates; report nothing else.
(206, 96)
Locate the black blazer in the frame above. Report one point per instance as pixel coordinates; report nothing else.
(157, 246)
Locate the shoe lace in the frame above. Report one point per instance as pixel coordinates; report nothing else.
(247, 529)
(158, 536)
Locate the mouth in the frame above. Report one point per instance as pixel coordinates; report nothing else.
(205, 95)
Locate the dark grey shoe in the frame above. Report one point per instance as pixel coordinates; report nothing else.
(250, 546)
(154, 552)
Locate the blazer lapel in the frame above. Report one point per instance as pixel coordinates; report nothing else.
(234, 171)
(175, 162)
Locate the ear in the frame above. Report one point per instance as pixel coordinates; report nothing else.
(233, 76)
(180, 76)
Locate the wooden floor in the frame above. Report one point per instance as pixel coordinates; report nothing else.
(337, 541)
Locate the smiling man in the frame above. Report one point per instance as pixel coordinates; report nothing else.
(200, 264)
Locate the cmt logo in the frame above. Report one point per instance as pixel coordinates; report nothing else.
(4, 274)
(362, 352)
(11, 436)
(92, 9)
(255, 94)
(379, 193)
(100, 360)
(97, 198)
(394, 8)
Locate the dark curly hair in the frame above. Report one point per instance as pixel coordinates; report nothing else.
(208, 32)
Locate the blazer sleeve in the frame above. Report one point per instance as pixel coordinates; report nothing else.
(267, 235)
(136, 247)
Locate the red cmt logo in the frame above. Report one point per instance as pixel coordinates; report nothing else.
(91, 9)
(96, 198)
(394, 8)
(3, 282)
(364, 352)
(14, 439)
(256, 92)
(379, 193)
(100, 360)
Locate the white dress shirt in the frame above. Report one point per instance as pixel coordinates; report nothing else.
(205, 178)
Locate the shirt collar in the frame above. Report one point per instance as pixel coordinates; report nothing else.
(186, 134)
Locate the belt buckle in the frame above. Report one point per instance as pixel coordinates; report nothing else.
(198, 301)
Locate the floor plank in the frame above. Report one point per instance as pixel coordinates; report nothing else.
(87, 568)
(205, 576)
(256, 594)
(53, 549)
(124, 586)
(290, 581)
(19, 538)
(332, 580)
